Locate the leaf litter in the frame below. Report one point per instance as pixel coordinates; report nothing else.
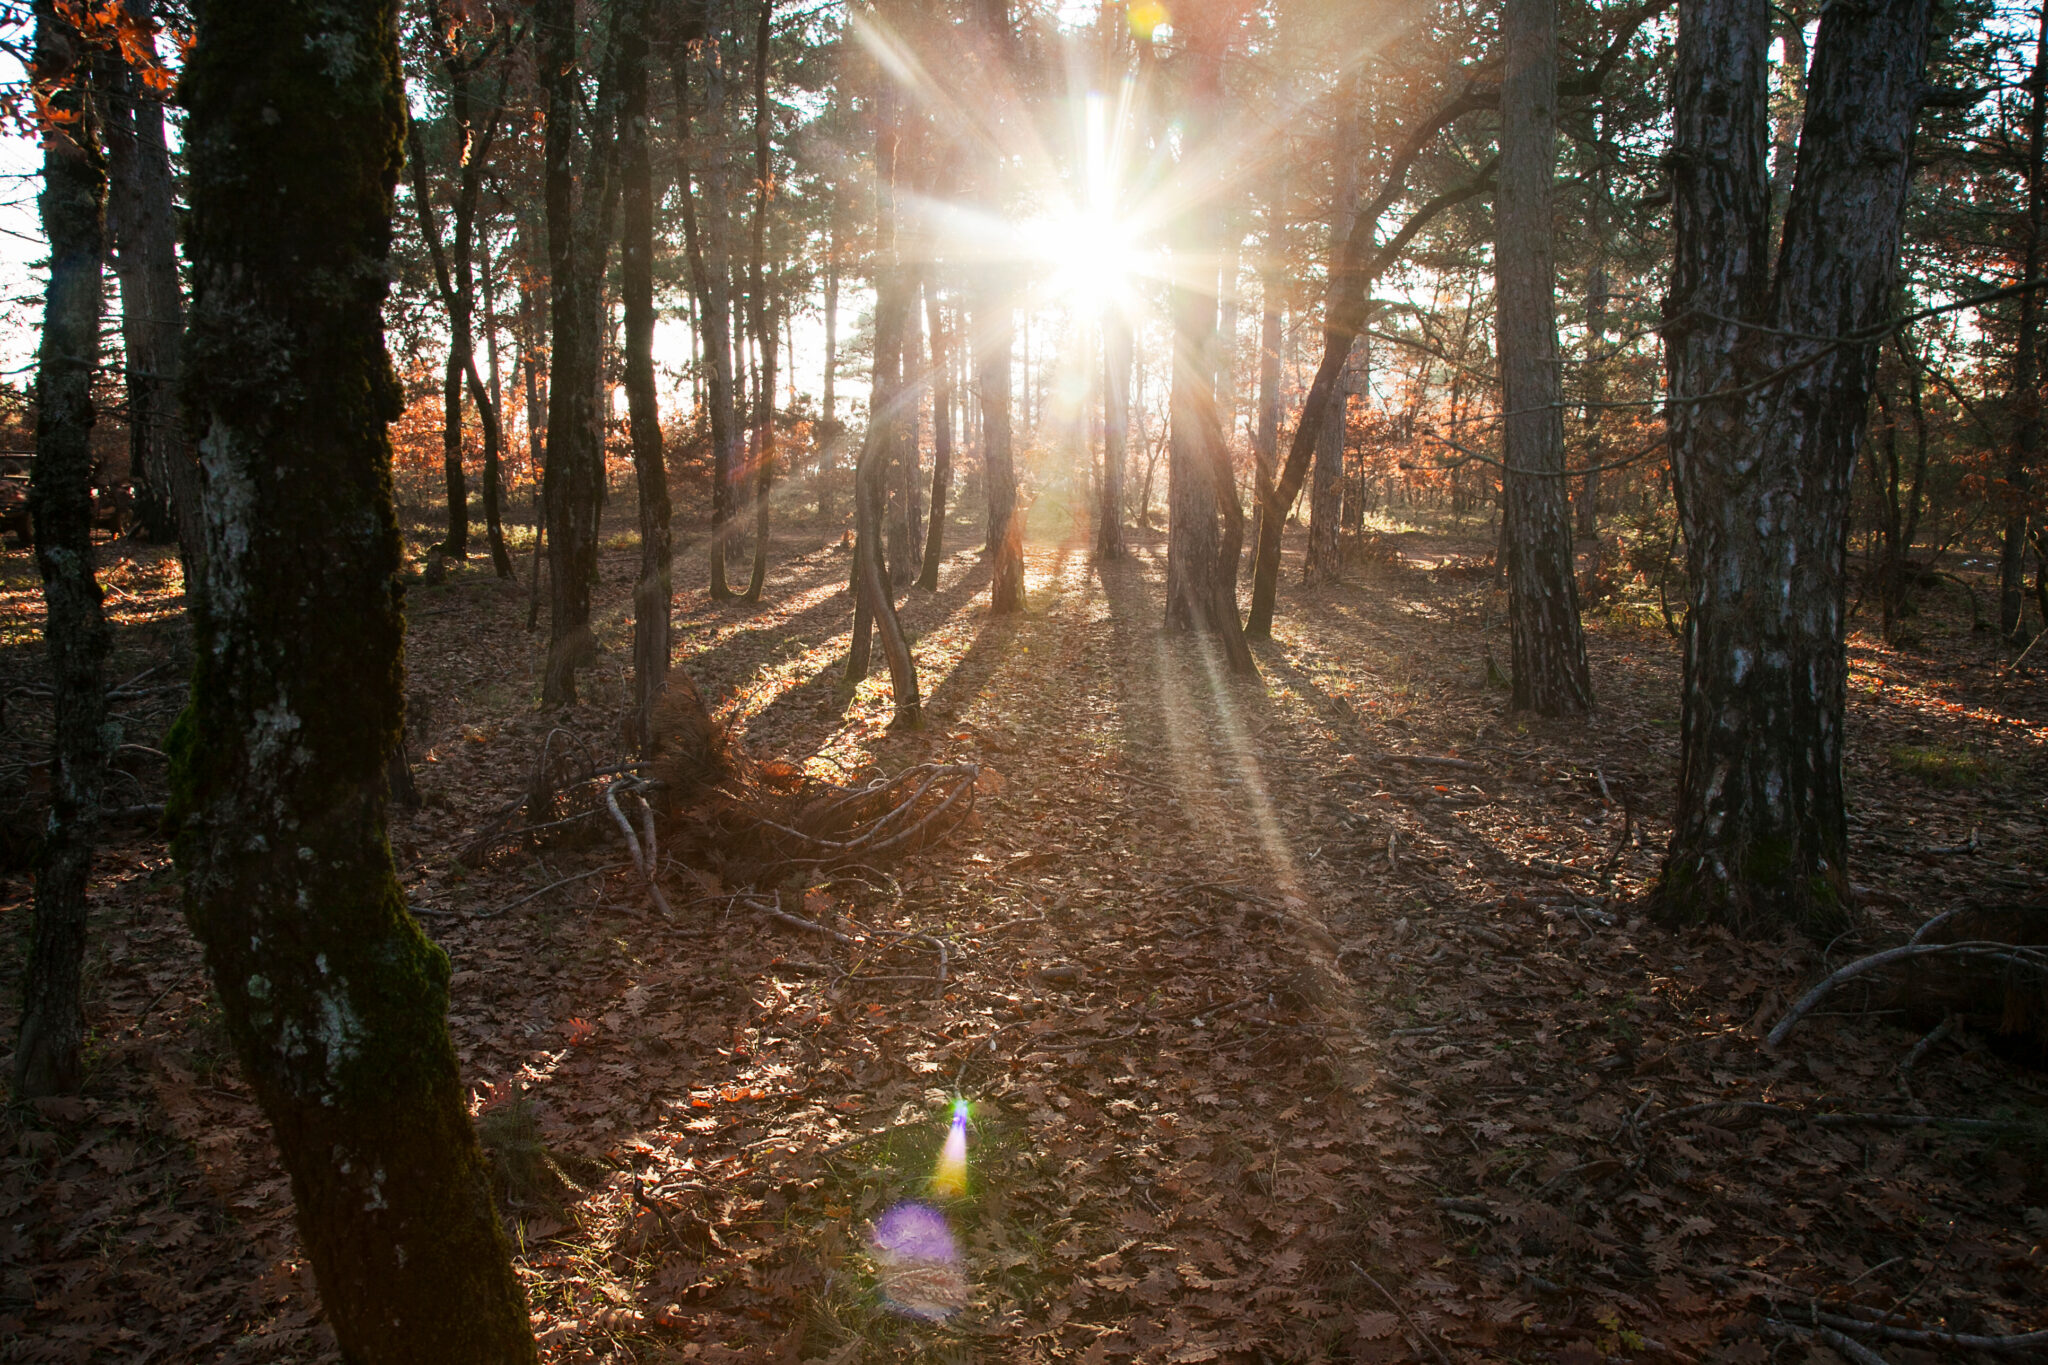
(1301, 1019)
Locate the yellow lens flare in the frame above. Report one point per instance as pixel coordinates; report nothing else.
(949, 1180)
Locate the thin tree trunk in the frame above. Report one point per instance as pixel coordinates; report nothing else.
(142, 213)
(1760, 840)
(1548, 648)
(829, 435)
(707, 242)
(763, 313)
(578, 237)
(336, 1002)
(874, 597)
(1116, 427)
(942, 438)
(2025, 449)
(995, 330)
(1324, 562)
(48, 1059)
(1266, 447)
(651, 589)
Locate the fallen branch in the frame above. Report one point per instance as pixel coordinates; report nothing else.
(1989, 1127)
(1402, 1309)
(2007, 952)
(1854, 1350)
(1463, 765)
(643, 858)
(1921, 1336)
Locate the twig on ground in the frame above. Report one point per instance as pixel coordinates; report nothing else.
(1988, 1127)
(531, 895)
(1463, 765)
(643, 857)
(1402, 1309)
(1920, 1049)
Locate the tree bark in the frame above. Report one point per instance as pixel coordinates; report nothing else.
(707, 241)
(651, 589)
(49, 1056)
(1762, 461)
(142, 214)
(2025, 449)
(763, 311)
(874, 596)
(1205, 530)
(1116, 429)
(578, 237)
(335, 1000)
(994, 338)
(1548, 648)
(942, 438)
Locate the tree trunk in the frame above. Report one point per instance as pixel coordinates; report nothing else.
(578, 235)
(763, 311)
(142, 213)
(708, 245)
(942, 438)
(1763, 473)
(1205, 529)
(1266, 447)
(2026, 395)
(874, 596)
(829, 435)
(1116, 429)
(995, 331)
(1548, 648)
(651, 589)
(335, 1000)
(49, 1057)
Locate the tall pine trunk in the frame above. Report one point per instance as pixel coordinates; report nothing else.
(995, 332)
(1549, 649)
(1205, 529)
(2025, 449)
(651, 588)
(1116, 430)
(942, 437)
(142, 216)
(762, 309)
(1762, 460)
(707, 242)
(336, 1002)
(49, 1056)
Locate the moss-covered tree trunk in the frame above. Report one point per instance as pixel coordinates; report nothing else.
(48, 1058)
(1765, 427)
(336, 1002)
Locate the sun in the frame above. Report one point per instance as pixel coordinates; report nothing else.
(1092, 257)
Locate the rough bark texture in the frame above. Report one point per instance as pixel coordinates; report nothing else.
(142, 215)
(577, 240)
(1116, 430)
(2025, 449)
(1763, 473)
(1548, 648)
(48, 1058)
(652, 588)
(942, 439)
(1324, 562)
(1205, 531)
(335, 1000)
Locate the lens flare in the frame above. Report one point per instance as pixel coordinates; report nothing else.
(918, 1263)
(949, 1180)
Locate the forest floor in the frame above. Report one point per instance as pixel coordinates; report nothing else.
(1301, 1018)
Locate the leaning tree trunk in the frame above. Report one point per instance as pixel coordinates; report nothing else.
(1548, 647)
(335, 1000)
(49, 1057)
(2025, 449)
(1765, 426)
(652, 589)
(942, 437)
(142, 214)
